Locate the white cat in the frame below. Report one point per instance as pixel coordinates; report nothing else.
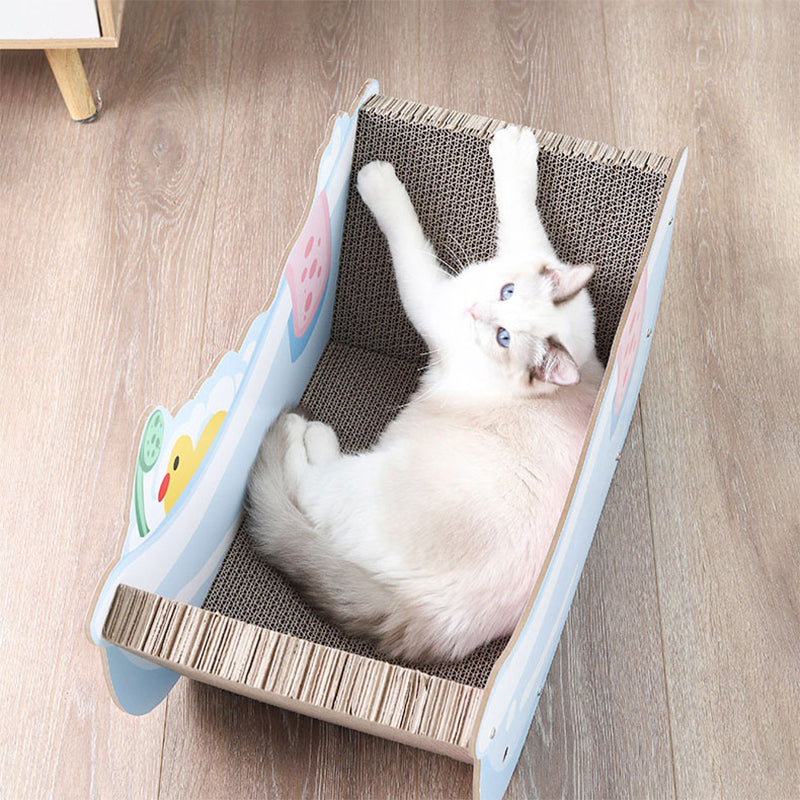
(430, 543)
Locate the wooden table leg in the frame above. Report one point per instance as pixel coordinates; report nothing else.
(71, 79)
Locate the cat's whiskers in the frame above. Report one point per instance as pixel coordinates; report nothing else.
(464, 260)
(442, 262)
(453, 267)
(457, 264)
(434, 359)
(420, 395)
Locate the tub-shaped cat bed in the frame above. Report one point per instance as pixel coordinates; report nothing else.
(188, 596)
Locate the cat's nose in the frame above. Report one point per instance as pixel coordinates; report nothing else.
(473, 311)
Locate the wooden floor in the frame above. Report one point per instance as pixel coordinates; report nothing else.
(134, 250)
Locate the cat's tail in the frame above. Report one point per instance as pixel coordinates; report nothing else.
(303, 550)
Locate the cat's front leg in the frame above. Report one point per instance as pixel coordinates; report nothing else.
(520, 233)
(387, 199)
(419, 276)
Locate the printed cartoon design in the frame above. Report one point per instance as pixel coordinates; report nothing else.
(149, 451)
(629, 344)
(184, 460)
(158, 483)
(307, 274)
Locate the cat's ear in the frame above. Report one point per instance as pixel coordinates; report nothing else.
(558, 366)
(569, 280)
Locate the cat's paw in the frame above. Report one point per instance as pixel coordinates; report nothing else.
(381, 189)
(282, 451)
(322, 445)
(514, 152)
(293, 426)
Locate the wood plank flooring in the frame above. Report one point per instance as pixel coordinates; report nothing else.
(135, 249)
(725, 526)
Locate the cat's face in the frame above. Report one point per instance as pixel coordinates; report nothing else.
(514, 321)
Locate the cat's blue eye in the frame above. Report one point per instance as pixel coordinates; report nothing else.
(506, 292)
(503, 337)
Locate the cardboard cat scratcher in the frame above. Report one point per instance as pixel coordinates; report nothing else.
(188, 596)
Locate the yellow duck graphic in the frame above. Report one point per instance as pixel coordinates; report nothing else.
(184, 460)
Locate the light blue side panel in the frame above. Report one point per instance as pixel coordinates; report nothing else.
(517, 685)
(174, 546)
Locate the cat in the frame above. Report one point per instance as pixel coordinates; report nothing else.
(430, 543)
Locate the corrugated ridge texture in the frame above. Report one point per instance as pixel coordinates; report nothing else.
(226, 650)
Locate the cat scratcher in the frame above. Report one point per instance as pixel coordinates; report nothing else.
(188, 596)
